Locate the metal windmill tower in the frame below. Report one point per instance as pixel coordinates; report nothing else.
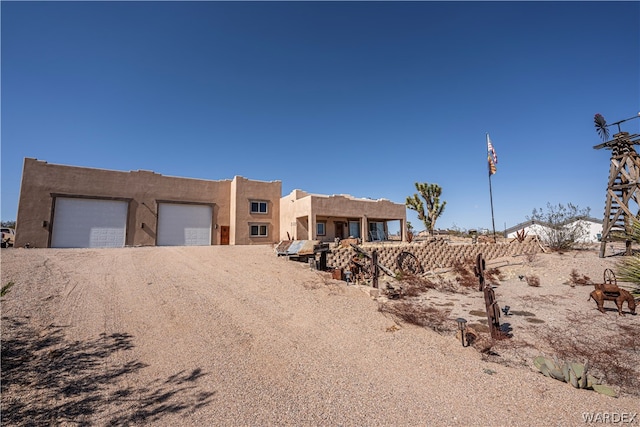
(623, 189)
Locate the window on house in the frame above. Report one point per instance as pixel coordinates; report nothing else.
(354, 228)
(376, 231)
(258, 206)
(258, 230)
(321, 228)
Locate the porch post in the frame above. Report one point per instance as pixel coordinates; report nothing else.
(364, 229)
(312, 226)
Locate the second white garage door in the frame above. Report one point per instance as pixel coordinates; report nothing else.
(184, 225)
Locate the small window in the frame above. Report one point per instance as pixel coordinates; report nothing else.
(354, 229)
(258, 230)
(258, 206)
(321, 228)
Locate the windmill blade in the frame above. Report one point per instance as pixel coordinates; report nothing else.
(601, 126)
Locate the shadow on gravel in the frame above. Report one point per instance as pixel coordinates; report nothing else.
(47, 380)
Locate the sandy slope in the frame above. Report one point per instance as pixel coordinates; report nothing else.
(236, 336)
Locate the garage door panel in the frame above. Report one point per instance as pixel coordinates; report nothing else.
(184, 225)
(89, 223)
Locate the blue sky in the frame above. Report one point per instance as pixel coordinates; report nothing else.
(360, 98)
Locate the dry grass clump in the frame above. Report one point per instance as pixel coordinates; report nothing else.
(533, 281)
(532, 257)
(413, 286)
(465, 275)
(493, 275)
(577, 279)
(420, 315)
(444, 285)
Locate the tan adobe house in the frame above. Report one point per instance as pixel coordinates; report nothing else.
(68, 206)
(307, 216)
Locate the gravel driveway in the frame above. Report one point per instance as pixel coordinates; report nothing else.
(235, 336)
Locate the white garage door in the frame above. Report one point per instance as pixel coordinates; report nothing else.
(89, 223)
(184, 225)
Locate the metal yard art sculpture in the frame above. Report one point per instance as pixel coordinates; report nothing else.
(623, 188)
(610, 291)
(491, 305)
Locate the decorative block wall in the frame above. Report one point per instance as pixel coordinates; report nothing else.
(433, 255)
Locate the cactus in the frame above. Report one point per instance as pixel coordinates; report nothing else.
(604, 390)
(583, 377)
(575, 374)
(566, 372)
(573, 379)
(578, 368)
(545, 370)
(557, 374)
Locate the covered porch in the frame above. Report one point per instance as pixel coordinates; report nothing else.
(327, 218)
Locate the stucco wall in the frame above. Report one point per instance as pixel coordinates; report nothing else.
(294, 210)
(42, 182)
(243, 192)
(301, 211)
(343, 206)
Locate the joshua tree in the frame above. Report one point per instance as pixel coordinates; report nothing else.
(431, 195)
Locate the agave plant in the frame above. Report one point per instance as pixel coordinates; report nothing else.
(628, 269)
(575, 374)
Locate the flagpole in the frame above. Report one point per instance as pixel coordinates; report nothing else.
(493, 223)
(492, 219)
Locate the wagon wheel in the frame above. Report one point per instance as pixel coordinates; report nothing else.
(610, 277)
(409, 263)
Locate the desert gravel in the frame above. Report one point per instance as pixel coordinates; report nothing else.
(235, 336)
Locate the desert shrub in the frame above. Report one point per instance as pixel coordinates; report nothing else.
(531, 257)
(465, 276)
(456, 231)
(576, 279)
(533, 281)
(420, 315)
(560, 227)
(413, 286)
(445, 285)
(628, 269)
(493, 275)
(409, 232)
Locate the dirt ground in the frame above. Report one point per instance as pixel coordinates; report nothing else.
(238, 336)
(555, 318)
